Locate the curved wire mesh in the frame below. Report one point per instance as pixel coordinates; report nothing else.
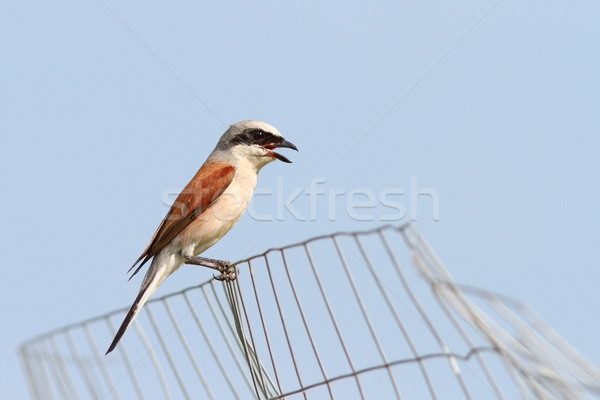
(345, 316)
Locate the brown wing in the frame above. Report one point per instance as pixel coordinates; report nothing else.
(206, 186)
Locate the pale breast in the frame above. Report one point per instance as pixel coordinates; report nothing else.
(220, 217)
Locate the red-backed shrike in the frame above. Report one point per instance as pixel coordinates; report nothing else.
(207, 208)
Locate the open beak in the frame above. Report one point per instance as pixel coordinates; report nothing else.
(285, 144)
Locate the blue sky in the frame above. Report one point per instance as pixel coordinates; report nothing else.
(108, 109)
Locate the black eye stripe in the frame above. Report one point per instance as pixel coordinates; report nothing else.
(257, 136)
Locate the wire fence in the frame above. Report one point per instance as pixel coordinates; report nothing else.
(355, 315)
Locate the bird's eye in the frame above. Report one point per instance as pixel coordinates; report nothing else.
(258, 134)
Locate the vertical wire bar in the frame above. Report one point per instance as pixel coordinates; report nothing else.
(411, 344)
(51, 363)
(512, 318)
(365, 316)
(502, 353)
(80, 365)
(521, 378)
(388, 302)
(514, 375)
(96, 376)
(62, 366)
(126, 362)
(421, 248)
(211, 348)
(235, 309)
(416, 303)
(150, 351)
(162, 345)
(509, 316)
(469, 341)
(264, 327)
(268, 387)
(188, 350)
(31, 375)
(451, 359)
(590, 373)
(331, 316)
(47, 375)
(289, 343)
(226, 336)
(305, 323)
(250, 358)
(99, 361)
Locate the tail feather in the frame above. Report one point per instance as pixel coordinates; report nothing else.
(135, 308)
(151, 282)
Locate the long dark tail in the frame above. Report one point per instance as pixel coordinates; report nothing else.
(135, 308)
(149, 286)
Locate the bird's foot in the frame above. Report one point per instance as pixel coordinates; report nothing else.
(228, 273)
(227, 270)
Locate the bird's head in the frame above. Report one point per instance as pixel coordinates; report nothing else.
(254, 141)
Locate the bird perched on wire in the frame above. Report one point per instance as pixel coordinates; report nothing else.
(211, 203)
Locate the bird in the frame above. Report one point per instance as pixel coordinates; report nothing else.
(207, 208)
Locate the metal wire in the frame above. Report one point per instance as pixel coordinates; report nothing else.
(354, 315)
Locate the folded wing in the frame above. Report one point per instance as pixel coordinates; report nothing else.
(211, 180)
